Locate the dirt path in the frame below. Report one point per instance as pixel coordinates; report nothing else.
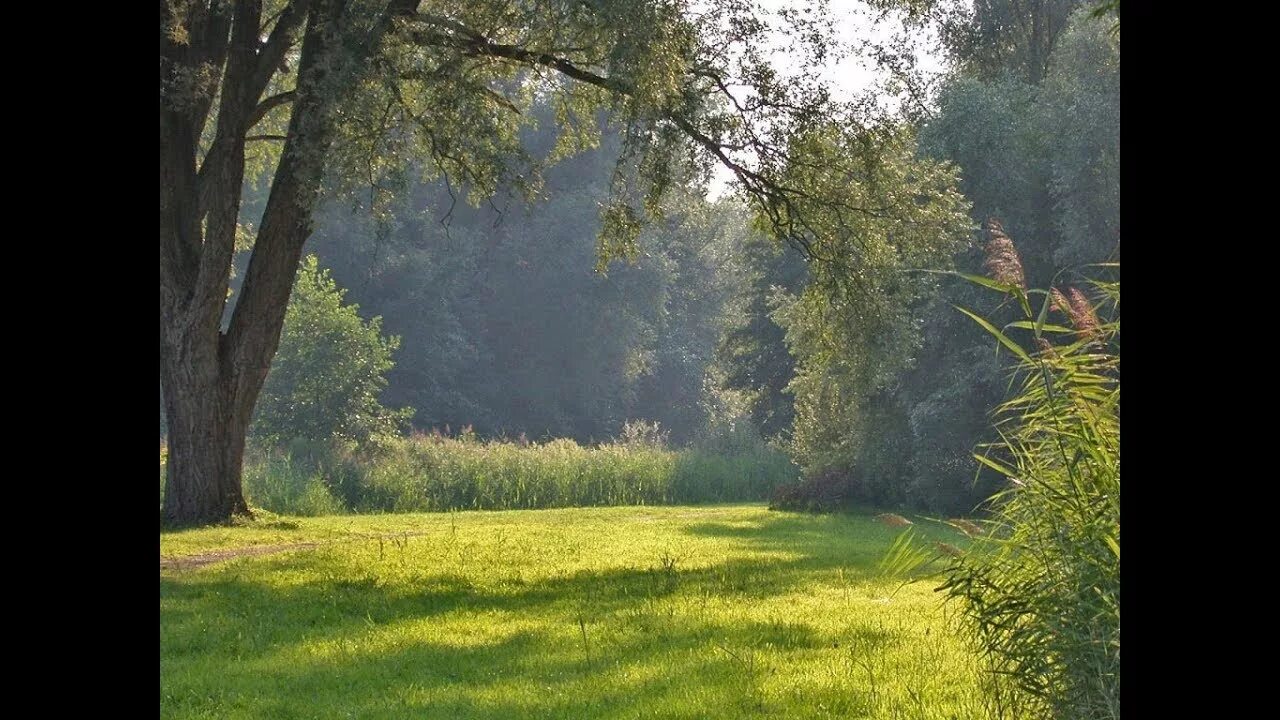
(191, 562)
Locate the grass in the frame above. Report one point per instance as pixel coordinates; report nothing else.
(432, 473)
(625, 612)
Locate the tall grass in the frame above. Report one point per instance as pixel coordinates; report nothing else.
(282, 484)
(1039, 589)
(1041, 593)
(432, 472)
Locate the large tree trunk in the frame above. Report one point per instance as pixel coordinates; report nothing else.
(211, 379)
(206, 438)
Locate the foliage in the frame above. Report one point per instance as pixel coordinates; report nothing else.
(334, 97)
(274, 481)
(1105, 7)
(852, 329)
(828, 491)
(891, 410)
(1045, 159)
(1042, 592)
(582, 613)
(1041, 151)
(1079, 120)
(1042, 155)
(991, 37)
(752, 352)
(1040, 587)
(505, 326)
(329, 369)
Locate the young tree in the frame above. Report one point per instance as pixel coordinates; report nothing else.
(329, 370)
(853, 329)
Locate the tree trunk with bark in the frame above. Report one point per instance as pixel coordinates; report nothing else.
(206, 443)
(210, 378)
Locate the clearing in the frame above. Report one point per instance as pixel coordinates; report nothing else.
(621, 612)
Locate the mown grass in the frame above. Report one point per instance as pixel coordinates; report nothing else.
(654, 612)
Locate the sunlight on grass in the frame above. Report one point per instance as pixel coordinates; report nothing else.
(585, 613)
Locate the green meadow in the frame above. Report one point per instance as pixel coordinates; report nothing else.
(619, 612)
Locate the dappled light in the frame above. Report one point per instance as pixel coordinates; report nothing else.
(490, 614)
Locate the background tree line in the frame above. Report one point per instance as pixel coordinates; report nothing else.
(501, 321)
(1029, 116)
(880, 389)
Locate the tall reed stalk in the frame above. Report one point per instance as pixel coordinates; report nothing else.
(1039, 588)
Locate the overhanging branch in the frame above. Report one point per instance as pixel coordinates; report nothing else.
(271, 103)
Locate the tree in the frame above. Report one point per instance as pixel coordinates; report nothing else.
(852, 330)
(301, 89)
(753, 350)
(506, 327)
(1045, 159)
(1040, 151)
(331, 366)
(990, 37)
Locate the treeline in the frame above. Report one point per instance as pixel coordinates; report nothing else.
(856, 362)
(504, 325)
(894, 390)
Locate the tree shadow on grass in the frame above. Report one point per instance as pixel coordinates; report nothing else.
(621, 642)
(852, 541)
(526, 676)
(343, 601)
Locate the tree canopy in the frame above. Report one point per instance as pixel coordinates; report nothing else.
(354, 94)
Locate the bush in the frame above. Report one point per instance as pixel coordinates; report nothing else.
(827, 491)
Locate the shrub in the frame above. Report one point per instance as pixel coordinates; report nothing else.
(827, 491)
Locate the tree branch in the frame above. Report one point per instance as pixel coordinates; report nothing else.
(270, 104)
(272, 52)
(774, 199)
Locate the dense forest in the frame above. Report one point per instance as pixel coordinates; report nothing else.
(505, 321)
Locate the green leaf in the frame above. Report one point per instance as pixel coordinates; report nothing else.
(904, 556)
(1008, 472)
(1004, 339)
(1045, 327)
(1044, 314)
(989, 283)
(1114, 545)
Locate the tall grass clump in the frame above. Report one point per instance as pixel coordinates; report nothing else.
(299, 478)
(437, 472)
(1039, 588)
(288, 484)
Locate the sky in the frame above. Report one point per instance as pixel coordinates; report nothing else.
(854, 23)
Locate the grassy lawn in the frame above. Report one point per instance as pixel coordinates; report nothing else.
(632, 612)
